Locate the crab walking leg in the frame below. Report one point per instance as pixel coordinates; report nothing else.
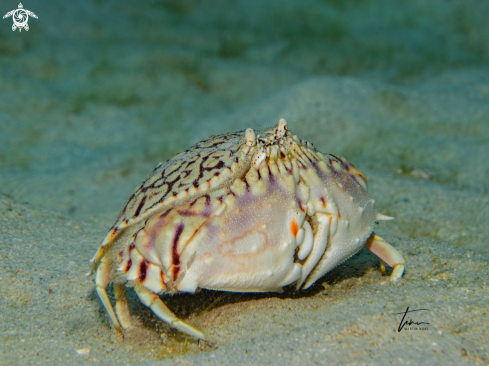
(121, 306)
(387, 253)
(153, 301)
(102, 279)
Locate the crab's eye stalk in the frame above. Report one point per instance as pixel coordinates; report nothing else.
(281, 129)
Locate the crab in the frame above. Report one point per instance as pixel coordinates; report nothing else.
(242, 212)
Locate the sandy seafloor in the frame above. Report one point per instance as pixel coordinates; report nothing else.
(95, 94)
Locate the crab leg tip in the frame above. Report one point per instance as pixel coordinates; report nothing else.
(101, 282)
(121, 306)
(108, 307)
(153, 301)
(187, 329)
(397, 272)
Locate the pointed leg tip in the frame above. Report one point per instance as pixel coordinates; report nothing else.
(308, 284)
(125, 322)
(397, 272)
(188, 329)
(158, 307)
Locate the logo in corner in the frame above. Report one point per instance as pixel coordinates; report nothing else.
(20, 17)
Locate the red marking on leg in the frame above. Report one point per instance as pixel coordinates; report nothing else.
(174, 248)
(175, 272)
(143, 267)
(128, 265)
(294, 228)
(323, 200)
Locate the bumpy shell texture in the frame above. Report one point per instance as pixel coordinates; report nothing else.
(211, 164)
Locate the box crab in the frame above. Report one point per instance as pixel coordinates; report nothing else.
(238, 212)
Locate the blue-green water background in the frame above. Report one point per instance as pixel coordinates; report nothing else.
(97, 93)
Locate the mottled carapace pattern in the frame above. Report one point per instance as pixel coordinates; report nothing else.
(169, 232)
(192, 168)
(208, 165)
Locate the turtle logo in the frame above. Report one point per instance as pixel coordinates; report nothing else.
(20, 17)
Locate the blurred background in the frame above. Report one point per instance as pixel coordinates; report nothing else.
(97, 93)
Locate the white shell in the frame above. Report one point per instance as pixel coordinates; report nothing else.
(238, 212)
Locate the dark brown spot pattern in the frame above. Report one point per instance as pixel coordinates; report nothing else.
(188, 169)
(174, 248)
(196, 172)
(128, 265)
(143, 267)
